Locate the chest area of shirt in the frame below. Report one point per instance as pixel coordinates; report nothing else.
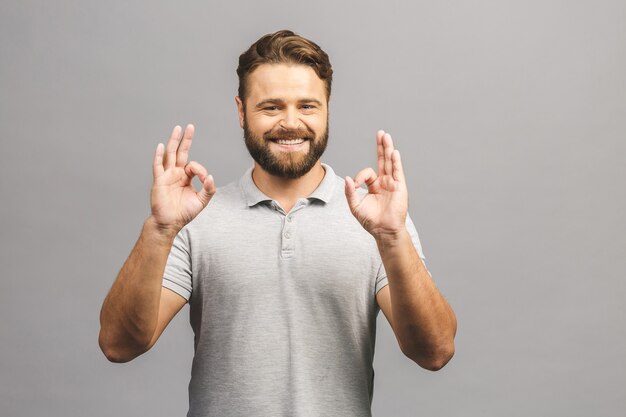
(330, 259)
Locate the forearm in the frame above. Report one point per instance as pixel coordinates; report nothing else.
(423, 321)
(130, 311)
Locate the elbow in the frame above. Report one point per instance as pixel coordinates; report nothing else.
(116, 353)
(432, 359)
(439, 361)
(115, 357)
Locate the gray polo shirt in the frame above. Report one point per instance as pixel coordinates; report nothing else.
(283, 305)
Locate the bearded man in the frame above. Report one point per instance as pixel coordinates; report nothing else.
(286, 269)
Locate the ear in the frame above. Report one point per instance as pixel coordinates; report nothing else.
(240, 110)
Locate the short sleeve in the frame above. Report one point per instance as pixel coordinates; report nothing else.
(381, 278)
(177, 274)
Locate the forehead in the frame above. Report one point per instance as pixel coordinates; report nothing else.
(285, 82)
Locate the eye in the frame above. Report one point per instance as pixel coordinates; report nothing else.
(308, 106)
(270, 108)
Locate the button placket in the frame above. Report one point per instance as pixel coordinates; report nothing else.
(287, 228)
(287, 236)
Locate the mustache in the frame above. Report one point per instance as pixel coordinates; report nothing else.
(289, 134)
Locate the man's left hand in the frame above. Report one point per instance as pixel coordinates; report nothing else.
(382, 211)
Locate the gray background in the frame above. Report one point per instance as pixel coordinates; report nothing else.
(510, 117)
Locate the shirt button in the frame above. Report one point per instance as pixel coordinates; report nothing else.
(289, 219)
(287, 235)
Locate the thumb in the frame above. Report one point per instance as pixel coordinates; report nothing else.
(207, 191)
(351, 194)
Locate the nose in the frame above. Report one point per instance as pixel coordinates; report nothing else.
(290, 119)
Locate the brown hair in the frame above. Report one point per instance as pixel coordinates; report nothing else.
(284, 47)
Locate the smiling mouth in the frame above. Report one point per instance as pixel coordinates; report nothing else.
(288, 141)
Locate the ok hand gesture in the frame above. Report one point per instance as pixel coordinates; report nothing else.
(382, 211)
(173, 199)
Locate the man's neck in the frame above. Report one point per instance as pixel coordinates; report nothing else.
(287, 191)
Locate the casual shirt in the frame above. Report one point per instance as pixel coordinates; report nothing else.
(282, 305)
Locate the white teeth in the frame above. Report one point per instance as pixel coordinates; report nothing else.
(289, 141)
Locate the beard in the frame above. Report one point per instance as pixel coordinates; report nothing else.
(291, 165)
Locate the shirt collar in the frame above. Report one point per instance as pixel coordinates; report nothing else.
(254, 196)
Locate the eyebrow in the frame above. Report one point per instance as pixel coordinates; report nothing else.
(280, 101)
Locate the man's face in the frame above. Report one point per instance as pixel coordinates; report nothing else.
(285, 121)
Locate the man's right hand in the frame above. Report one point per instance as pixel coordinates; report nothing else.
(173, 199)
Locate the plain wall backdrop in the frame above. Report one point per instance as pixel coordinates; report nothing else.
(511, 120)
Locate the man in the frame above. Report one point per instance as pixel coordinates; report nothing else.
(286, 269)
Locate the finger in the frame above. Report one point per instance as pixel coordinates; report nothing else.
(170, 149)
(398, 171)
(388, 148)
(157, 164)
(351, 194)
(193, 169)
(185, 144)
(367, 176)
(380, 151)
(207, 191)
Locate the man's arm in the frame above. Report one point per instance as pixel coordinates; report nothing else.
(422, 320)
(137, 308)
